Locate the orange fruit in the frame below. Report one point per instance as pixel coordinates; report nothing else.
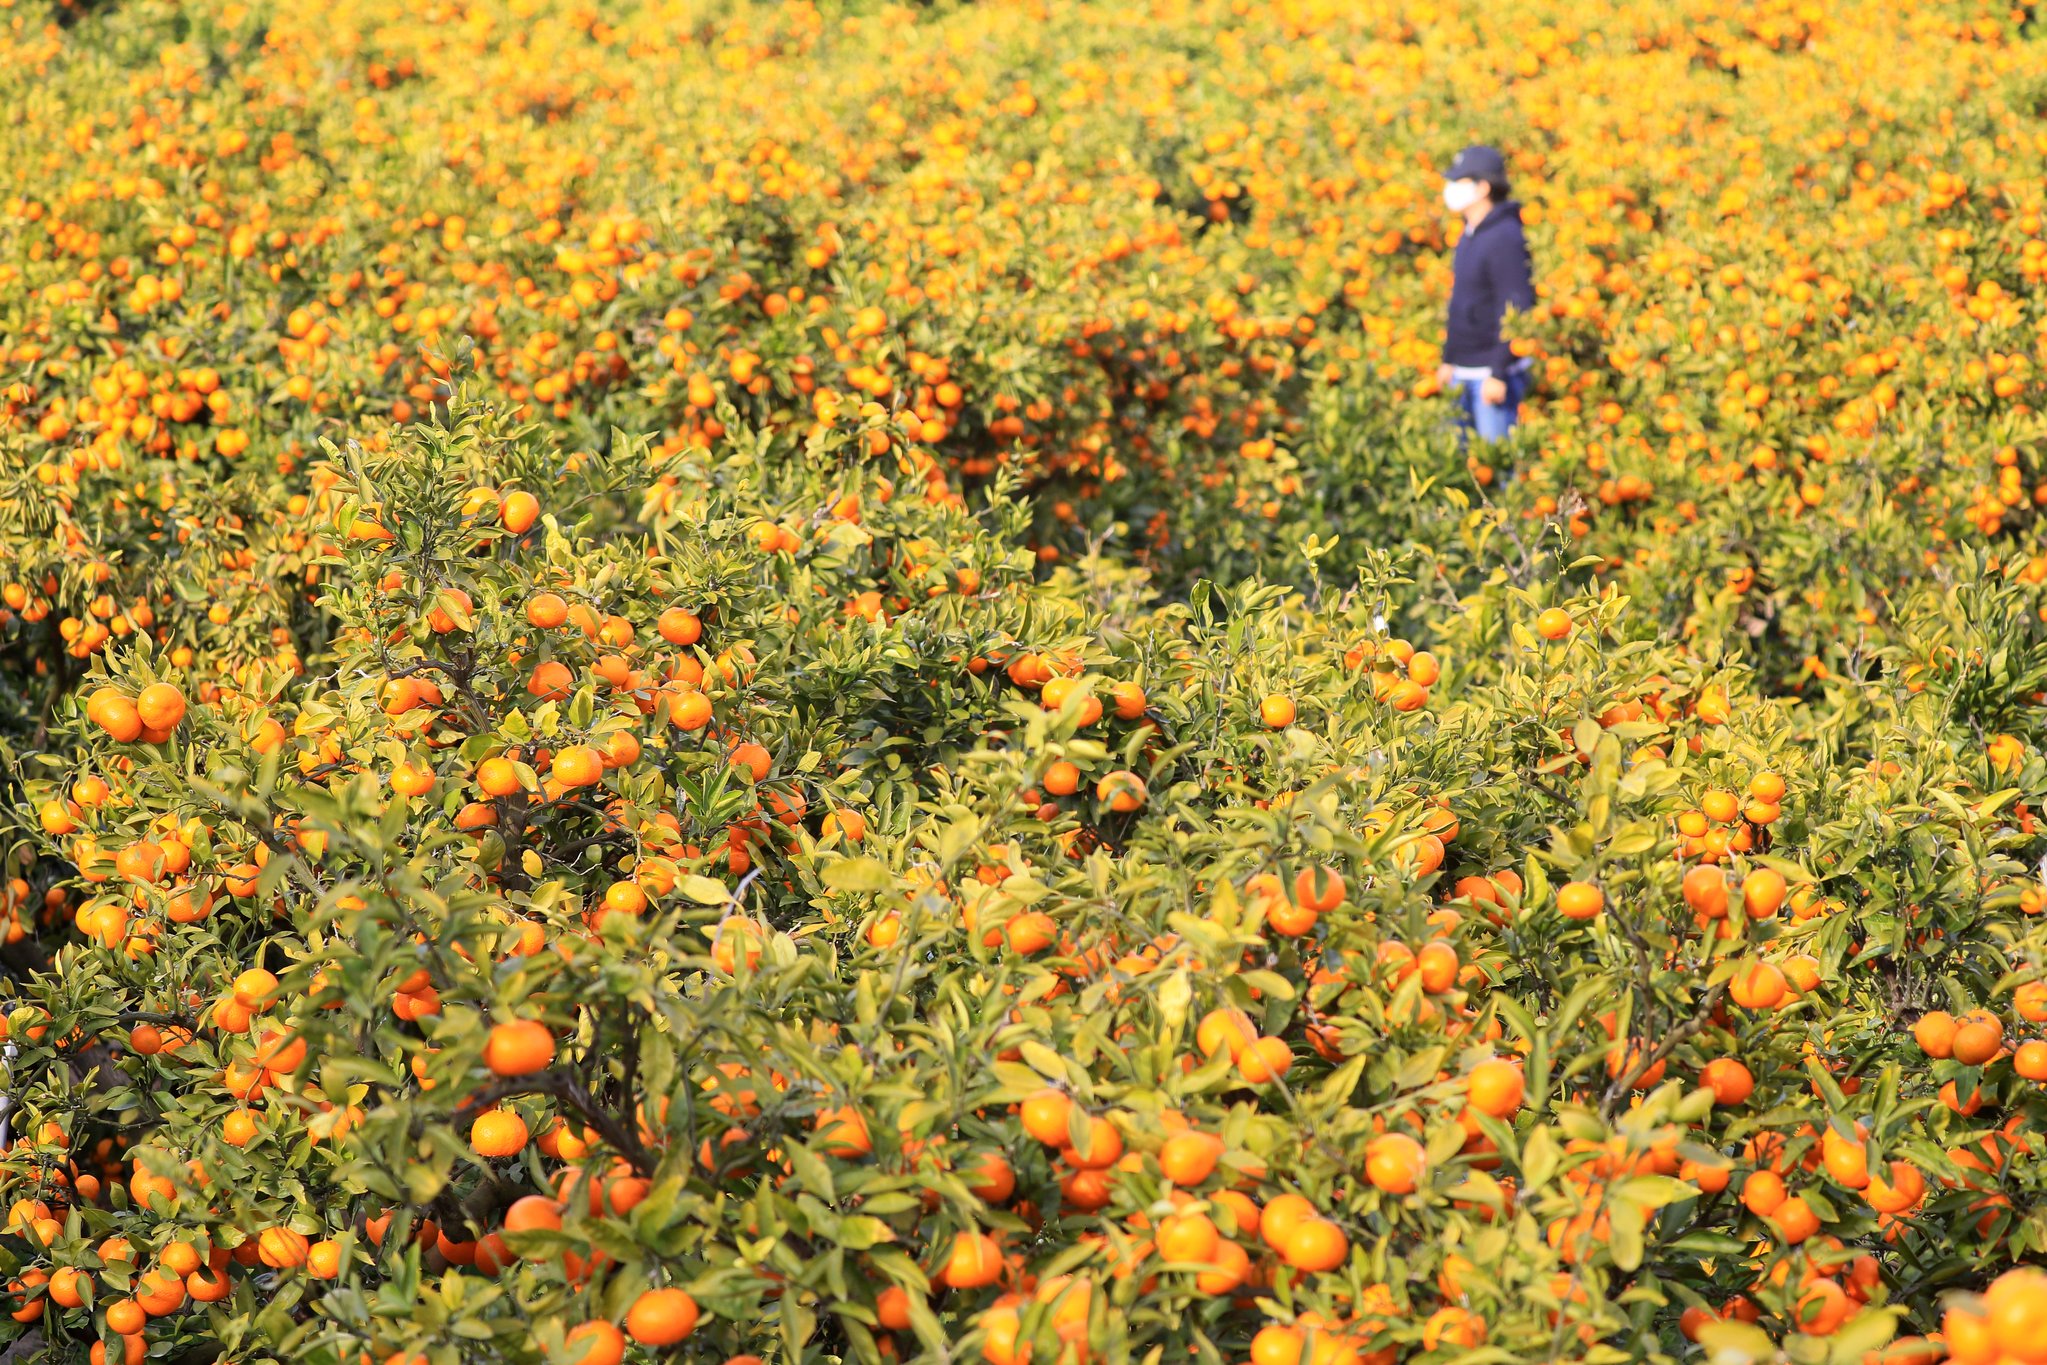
(1794, 1220)
(1245, 1215)
(848, 823)
(282, 1248)
(1580, 900)
(255, 988)
(1705, 891)
(180, 1257)
(661, 1317)
(1278, 1345)
(517, 513)
(519, 1047)
(1553, 624)
(1290, 920)
(1495, 1087)
(551, 681)
(1757, 986)
(892, 1308)
(1394, 1163)
(1266, 1059)
(679, 627)
(844, 1131)
(1320, 889)
(1225, 1028)
(1438, 965)
(753, 760)
(1846, 1158)
(68, 1285)
(1455, 1326)
(1316, 1244)
(1100, 1147)
(1729, 1080)
(498, 1133)
(207, 1285)
(993, 1180)
(1276, 711)
(689, 711)
(1896, 1190)
(594, 1343)
(1762, 892)
(2015, 1309)
(1121, 791)
(134, 1350)
(974, 1260)
(1978, 1038)
(323, 1259)
(1031, 932)
(1763, 1193)
(1822, 1308)
(1187, 1159)
(546, 610)
(442, 619)
(1189, 1238)
(1061, 779)
(533, 1213)
(1935, 1034)
(160, 706)
(578, 765)
(119, 718)
(1281, 1215)
(1229, 1267)
(498, 777)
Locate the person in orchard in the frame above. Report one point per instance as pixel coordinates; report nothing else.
(1491, 274)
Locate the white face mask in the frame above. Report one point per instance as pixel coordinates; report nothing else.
(1459, 195)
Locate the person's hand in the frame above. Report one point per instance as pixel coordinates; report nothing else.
(1493, 390)
(1444, 374)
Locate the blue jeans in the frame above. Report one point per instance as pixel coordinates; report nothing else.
(1492, 421)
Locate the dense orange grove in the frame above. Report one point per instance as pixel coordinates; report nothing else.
(821, 682)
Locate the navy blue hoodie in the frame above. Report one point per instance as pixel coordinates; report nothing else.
(1491, 276)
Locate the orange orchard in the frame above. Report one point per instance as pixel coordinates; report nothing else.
(1526, 984)
(930, 848)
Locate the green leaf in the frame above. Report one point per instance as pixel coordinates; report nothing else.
(704, 890)
(813, 1170)
(1631, 839)
(858, 875)
(1654, 1191)
(1870, 1330)
(1271, 984)
(458, 611)
(1625, 1220)
(1731, 1342)
(1044, 1060)
(1539, 1157)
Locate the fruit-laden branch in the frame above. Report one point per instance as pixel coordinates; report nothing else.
(622, 1138)
(1674, 1037)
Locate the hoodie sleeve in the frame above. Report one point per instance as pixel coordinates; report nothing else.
(1513, 284)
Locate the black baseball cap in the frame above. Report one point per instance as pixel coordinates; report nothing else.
(1478, 163)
